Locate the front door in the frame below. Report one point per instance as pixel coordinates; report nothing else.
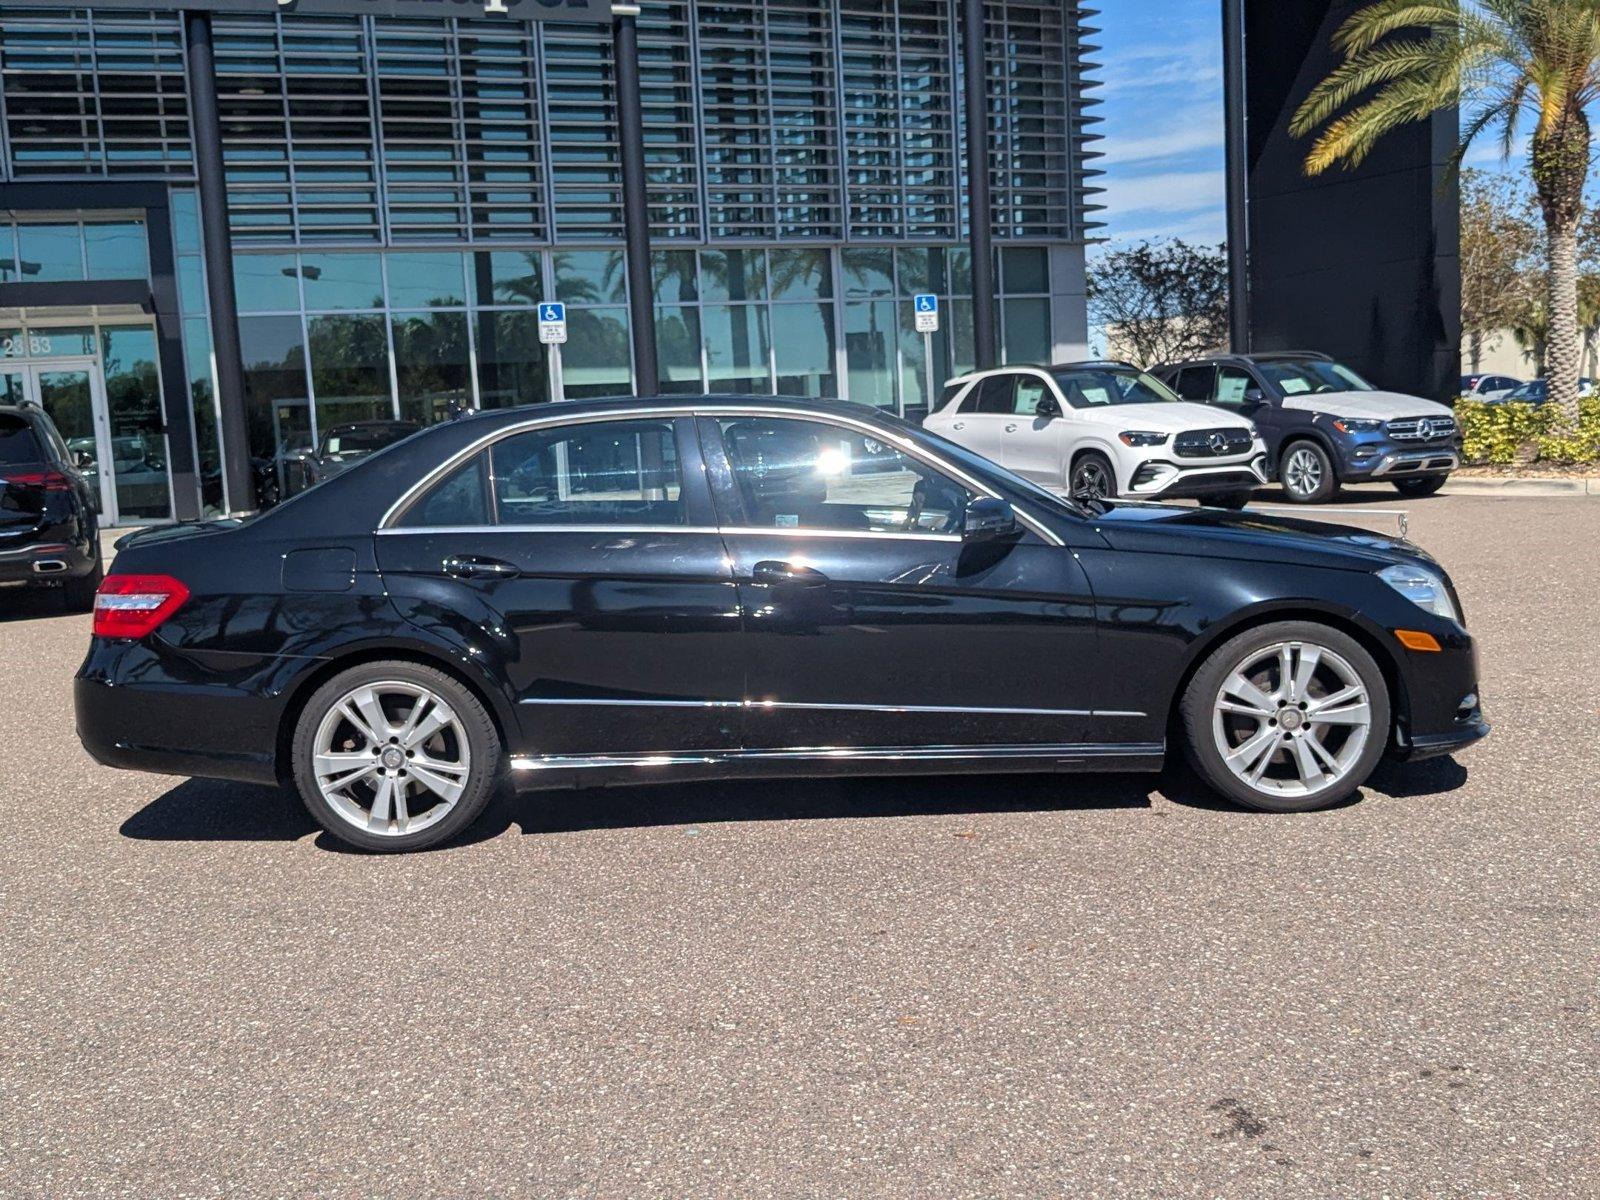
(867, 623)
(1034, 445)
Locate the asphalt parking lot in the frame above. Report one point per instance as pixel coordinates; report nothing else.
(1079, 986)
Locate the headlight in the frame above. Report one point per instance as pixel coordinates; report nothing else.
(1423, 588)
(1351, 425)
(1141, 437)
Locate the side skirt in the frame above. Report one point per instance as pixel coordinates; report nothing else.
(602, 770)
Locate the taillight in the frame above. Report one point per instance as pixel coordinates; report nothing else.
(130, 606)
(50, 481)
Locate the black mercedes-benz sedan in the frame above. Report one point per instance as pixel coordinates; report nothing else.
(693, 587)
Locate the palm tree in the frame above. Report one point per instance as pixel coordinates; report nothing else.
(1501, 59)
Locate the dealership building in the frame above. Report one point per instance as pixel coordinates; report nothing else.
(234, 224)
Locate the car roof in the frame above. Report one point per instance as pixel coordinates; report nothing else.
(670, 403)
(1261, 357)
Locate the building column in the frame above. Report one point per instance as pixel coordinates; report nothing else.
(635, 199)
(979, 235)
(1236, 168)
(218, 245)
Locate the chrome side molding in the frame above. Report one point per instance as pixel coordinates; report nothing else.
(998, 753)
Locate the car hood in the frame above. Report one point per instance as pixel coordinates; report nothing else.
(1174, 417)
(1221, 533)
(1377, 406)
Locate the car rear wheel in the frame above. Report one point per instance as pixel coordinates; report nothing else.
(1307, 474)
(395, 756)
(1423, 485)
(1287, 717)
(1092, 477)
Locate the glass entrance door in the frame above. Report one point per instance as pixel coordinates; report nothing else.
(71, 391)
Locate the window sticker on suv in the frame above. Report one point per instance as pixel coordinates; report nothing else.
(1294, 385)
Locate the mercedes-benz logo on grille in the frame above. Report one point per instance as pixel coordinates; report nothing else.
(1425, 429)
(1218, 442)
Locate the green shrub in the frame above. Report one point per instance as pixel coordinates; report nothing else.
(1492, 434)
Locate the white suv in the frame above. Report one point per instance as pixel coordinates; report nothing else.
(1102, 429)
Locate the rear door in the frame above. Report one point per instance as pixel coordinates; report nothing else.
(979, 424)
(580, 561)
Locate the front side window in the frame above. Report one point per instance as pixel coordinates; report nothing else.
(1030, 391)
(794, 474)
(1232, 384)
(1099, 387)
(599, 473)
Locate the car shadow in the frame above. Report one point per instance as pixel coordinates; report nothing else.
(200, 810)
(32, 604)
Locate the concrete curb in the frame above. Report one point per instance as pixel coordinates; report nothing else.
(1514, 487)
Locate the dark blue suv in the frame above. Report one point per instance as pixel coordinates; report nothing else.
(1324, 425)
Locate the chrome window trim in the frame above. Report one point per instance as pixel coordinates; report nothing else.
(739, 410)
(803, 704)
(1060, 750)
(616, 529)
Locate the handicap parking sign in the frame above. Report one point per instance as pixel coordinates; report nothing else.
(925, 306)
(552, 323)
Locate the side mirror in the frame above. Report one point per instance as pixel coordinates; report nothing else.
(83, 460)
(1048, 407)
(1254, 397)
(987, 520)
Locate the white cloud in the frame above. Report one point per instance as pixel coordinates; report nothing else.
(1161, 192)
(1187, 139)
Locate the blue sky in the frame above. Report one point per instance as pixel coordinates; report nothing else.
(1161, 106)
(1162, 116)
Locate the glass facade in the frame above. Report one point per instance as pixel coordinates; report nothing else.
(402, 192)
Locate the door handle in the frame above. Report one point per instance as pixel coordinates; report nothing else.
(468, 566)
(958, 425)
(774, 574)
(1011, 428)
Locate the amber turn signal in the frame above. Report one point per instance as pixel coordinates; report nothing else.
(1415, 639)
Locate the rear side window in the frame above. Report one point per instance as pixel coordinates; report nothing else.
(992, 395)
(18, 442)
(598, 473)
(1194, 383)
(460, 498)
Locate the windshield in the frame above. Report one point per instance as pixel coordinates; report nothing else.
(1098, 387)
(1303, 378)
(346, 443)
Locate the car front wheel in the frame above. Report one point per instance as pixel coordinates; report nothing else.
(1307, 474)
(395, 756)
(1092, 477)
(1287, 717)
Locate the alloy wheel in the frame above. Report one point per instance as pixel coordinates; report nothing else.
(1302, 472)
(391, 758)
(1090, 481)
(1291, 719)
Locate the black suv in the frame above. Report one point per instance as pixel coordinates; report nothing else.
(1323, 424)
(49, 530)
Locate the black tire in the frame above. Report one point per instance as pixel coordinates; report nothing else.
(487, 755)
(1199, 708)
(1233, 500)
(1316, 483)
(1092, 477)
(79, 593)
(1423, 485)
